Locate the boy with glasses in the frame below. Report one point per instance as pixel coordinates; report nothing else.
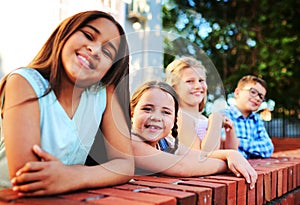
(250, 130)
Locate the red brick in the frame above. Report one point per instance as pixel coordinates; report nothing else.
(241, 186)
(131, 187)
(204, 195)
(78, 196)
(293, 171)
(137, 196)
(9, 197)
(298, 175)
(219, 190)
(259, 187)
(182, 197)
(231, 188)
(160, 178)
(287, 172)
(297, 196)
(251, 196)
(48, 201)
(274, 178)
(267, 186)
(115, 200)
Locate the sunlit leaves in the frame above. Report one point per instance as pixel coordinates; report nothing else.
(258, 37)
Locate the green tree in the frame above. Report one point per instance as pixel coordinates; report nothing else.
(241, 37)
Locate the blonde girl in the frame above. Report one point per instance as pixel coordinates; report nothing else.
(188, 77)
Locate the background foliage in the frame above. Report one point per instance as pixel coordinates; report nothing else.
(241, 37)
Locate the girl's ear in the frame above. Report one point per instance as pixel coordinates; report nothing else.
(131, 114)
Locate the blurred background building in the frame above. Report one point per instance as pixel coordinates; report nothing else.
(26, 25)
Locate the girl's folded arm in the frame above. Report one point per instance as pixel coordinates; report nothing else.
(185, 165)
(21, 120)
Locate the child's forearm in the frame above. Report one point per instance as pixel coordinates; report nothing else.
(231, 141)
(212, 138)
(113, 172)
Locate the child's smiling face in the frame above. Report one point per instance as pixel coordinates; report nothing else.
(192, 87)
(249, 97)
(90, 52)
(154, 115)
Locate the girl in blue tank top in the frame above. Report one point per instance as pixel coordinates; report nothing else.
(75, 89)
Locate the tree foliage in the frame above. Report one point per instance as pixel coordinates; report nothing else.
(259, 37)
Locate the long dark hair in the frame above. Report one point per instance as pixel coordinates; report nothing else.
(48, 61)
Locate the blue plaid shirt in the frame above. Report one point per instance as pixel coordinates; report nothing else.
(254, 139)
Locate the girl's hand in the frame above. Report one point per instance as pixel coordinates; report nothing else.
(240, 166)
(227, 124)
(46, 177)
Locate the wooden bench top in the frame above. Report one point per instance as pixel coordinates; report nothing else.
(278, 183)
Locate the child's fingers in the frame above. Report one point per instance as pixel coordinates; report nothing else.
(29, 167)
(228, 123)
(29, 173)
(253, 176)
(42, 154)
(250, 176)
(235, 171)
(34, 188)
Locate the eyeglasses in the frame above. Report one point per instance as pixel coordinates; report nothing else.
(253, 93)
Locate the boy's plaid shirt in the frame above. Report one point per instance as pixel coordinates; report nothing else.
(254, 139)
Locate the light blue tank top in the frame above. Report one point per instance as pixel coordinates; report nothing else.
(69, 140)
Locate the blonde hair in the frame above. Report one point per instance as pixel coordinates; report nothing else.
(174, 69)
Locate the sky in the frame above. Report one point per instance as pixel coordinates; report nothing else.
(25, 26)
